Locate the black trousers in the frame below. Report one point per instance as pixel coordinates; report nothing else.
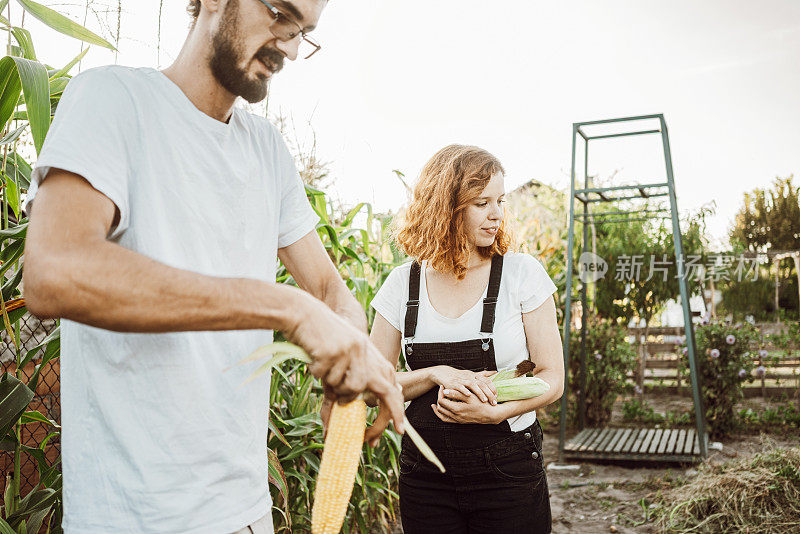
(497, 488)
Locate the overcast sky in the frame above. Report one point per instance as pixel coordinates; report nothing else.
(396, 81)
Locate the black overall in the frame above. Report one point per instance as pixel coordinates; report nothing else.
(495, 480)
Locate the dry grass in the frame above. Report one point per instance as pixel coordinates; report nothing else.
(760, 493)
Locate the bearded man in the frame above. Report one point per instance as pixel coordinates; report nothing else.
(158, 210)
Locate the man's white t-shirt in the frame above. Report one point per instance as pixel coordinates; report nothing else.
(155, 437)
(524, 286)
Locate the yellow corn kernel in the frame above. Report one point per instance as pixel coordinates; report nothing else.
(337, 472)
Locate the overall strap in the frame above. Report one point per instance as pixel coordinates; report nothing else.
(412, 306)
(490, 302)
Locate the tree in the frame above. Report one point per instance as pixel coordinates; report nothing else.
(769, 219)
(627, 292)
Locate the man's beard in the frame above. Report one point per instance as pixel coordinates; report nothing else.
(226, 56)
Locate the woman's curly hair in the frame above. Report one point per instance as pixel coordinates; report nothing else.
(432, 227)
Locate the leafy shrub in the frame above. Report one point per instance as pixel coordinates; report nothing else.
(609, 358)
(640, 411)
(724, 363)
(782, 417)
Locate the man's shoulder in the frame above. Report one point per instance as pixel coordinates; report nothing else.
(113, 82)
(262, 125)
(113, 74)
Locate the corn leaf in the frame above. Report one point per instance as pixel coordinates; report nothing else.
(10, 89)
(503, 374)
(23, 37)
(36, 87)
(62, 24)
(13, 136)
(33, 502)
(68, 67)
(35, 416)
(14, 398)
(277, 477)
(35, 521)
(280, 352)
(12, 195)
(8, 499)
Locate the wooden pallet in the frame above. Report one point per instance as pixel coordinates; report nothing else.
(646, 444)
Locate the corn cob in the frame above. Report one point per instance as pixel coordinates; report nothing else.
(337, 472)
(342, 448)
(523, 387)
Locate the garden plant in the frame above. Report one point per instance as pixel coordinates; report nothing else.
(29, 93)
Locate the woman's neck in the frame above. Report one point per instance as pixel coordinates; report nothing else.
(475, 259)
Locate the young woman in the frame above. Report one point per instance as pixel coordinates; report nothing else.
(465, 307)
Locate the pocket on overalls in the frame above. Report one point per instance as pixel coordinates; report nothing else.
(525, 464)
(407, 463)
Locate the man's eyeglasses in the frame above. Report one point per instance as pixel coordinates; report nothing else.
(286, 29)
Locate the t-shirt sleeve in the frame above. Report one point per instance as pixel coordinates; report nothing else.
(535, 284)
(297, 217)
(391, 298)
(93, 134)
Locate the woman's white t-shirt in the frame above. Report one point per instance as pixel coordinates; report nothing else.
(524, 286)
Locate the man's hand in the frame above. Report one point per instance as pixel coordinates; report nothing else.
(346, 361)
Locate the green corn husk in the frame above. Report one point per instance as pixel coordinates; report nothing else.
(523, 387)
(503, 374)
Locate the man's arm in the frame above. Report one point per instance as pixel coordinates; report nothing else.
(72, 271)
(309, 264)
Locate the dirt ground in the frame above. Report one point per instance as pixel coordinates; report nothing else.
(621, 497)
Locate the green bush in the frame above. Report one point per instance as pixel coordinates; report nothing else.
(782, 417)
(724, 364)
(609, 358)
(640, 411)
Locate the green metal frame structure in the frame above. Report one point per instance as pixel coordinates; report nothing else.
(607, 444)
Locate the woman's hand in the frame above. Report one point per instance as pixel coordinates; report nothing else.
(455, 407)
(468, 383)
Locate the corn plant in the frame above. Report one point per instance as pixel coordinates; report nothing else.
(364, 258)
(29, 92)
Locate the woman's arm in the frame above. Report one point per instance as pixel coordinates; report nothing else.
(546, 350)
(414, 383)
(387, 338)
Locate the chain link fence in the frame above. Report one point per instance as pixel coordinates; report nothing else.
(47, 400)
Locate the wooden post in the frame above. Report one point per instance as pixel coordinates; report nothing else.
(640, 372)
(796, 258)
(777, 287)
(713, 305)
